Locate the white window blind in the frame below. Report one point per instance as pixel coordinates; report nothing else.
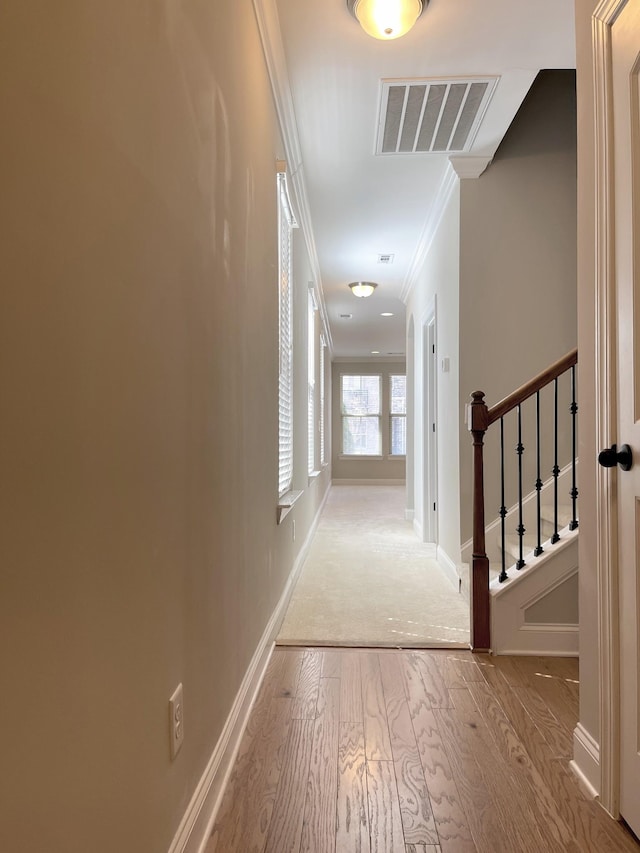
(398, 410)
(285, 382)
(360, 401)
(311, 374)
(323, 446)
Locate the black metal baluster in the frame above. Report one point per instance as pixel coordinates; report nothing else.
(503, 510)
(520, 528)
(556, 470)
(573, 524)
(538, 549)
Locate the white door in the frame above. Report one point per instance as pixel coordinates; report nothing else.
(626, 152)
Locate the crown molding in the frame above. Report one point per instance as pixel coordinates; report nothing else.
(447, 185)
(271, 38)
(469, 167)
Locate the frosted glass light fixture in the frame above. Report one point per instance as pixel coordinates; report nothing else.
(362, 288)
(386, 19)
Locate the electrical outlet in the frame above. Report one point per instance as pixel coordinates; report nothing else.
(176, 721)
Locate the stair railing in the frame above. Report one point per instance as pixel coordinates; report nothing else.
(481, 417)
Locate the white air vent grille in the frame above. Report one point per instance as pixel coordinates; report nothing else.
(418, 116)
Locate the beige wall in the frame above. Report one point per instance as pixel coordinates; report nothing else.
(589, 652)
(139, 414)
(518, 275)
(364, 469)
(436, 290)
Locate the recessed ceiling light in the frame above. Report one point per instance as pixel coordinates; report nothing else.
(386, 314)
(375, 352)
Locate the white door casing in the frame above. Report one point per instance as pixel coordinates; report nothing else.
(430, 452)
(616, 30)
(625, 33)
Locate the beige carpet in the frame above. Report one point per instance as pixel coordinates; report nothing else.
(368, 580)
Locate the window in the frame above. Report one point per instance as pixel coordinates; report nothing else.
(285, 379)
(360, 400)
(323, 445)
(311, 373)
(398, 410)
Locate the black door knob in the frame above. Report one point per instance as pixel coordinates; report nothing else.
(611, 457)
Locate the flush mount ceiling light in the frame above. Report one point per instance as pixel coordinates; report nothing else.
(362, 288)
(386, 314)
(386, 19)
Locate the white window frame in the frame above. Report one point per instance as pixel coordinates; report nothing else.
(343, 415)
(286, 224)
(311, 381)
(397, 415)
(323, 419)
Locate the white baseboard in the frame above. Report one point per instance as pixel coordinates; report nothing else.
(586, 760)
(448, 567)
(378, 482)
(197, 823)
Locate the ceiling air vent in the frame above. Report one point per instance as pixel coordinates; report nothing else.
(385, 259)
(418, 116)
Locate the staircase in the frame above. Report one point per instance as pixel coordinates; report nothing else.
(524, 564)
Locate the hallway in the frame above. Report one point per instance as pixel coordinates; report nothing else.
(368, 580)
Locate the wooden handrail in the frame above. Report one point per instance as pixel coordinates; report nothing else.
(480, 419)
(529, 388)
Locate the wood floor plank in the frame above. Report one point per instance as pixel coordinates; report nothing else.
(588, 823)
(500, 779)
(306, 698)
(376, 728)
(285, 829)
(384, 810)
(554, 732)
(461, 668)
(319, 822)
(285, 678)
(351, 689)
(432, 674)
(453, 675)
(352, 819)
(482, 818)
(552, 690)
(509, 667)
(415, 807)
(423, 848)
(529, 786)
(247, 806)
(451, 824)
(331, 663)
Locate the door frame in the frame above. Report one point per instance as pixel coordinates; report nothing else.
(606, 411)
(430, 417)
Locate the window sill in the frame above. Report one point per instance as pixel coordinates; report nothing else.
(285, 504)
(359, 456)
(313, 475)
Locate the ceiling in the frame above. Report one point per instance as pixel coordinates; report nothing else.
(355, 204)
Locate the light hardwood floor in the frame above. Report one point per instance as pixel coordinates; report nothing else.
(411, 752)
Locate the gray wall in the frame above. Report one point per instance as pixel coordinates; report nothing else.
(518, 309)
(139, 361)
(364, 469)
